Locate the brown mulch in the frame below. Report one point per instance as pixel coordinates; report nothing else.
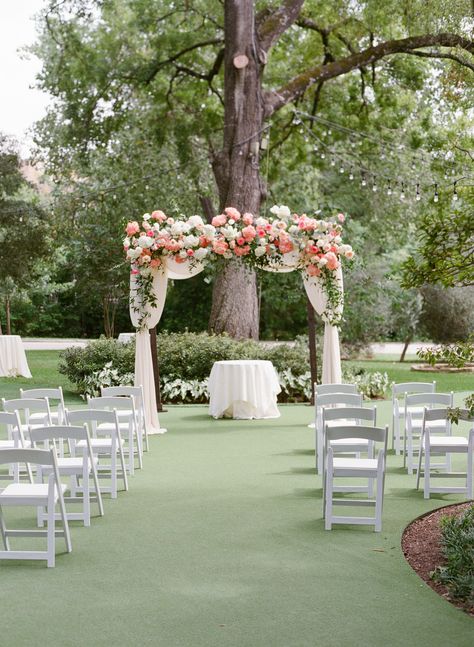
(422, 550)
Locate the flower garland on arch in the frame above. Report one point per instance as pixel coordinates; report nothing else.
(307, 244)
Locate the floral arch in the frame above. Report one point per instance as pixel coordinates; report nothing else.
(161, 248)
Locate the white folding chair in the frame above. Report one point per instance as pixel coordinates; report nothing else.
(398, 407)
(53, 395)
(81, 467)
(442, 445)
(137, 393)
(128, 425)
(15, 439)
(47, 495)
(326, 389)
(329, 400)
(106, 443)
(352, 416)
(367, 468)
(27, 408)
(414, 407)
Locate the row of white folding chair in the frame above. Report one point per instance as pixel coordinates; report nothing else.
(106, 442)
(415, 405)
(15, 439)
(137, 393)
(435, 445)
(31, 411)
(329, 400)
(55, 399)
(399, 393)
(328, 389)
(44, 495)
(371, 468)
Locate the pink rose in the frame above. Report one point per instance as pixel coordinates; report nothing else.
(349, 254)
(341, 217)
(232, 213)
(135, 271)
(312, 270)
(132, 228)
(150, 233)
(332, 262)
(190, 252)
(241, 241)
(158, 215)
(249, 233)
(155, 262)
(260, 232)
(220, 220)
(242, 251)
(247, 218)
(285, 245)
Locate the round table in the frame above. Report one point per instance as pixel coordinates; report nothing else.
(244, 389)
(12, 357)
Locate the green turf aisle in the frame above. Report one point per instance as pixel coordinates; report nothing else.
(220, 542)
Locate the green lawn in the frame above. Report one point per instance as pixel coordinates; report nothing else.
(220, 543)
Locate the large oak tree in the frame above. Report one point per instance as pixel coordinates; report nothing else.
(195, 68)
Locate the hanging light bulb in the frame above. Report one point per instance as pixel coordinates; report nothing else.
(455, 193)
(333, 162)
(323, 156)
(402, 193)
(374, 186)
(341, 170)
(389, 188)
(436, 196)
(351, 174)
(418, 196)
(364, 181)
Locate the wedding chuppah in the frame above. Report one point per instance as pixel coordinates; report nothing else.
(161, 248)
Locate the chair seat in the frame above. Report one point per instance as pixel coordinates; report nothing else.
(70, 465)
(30, 493)
(447, 441)
(7, 444)
(40, 418)
(360, 442)
(416, 412)
(362, 464)
(108, 427)
(434, 428)
(98, 443)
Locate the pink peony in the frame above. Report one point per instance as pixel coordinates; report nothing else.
(341, 217)
(232, 213)
(203, 241)
(158, 215)
(190, 252)
(242, 251)
(249, 233)
(247, 218)
(332, 262)
(155, 262)
(285, 245)
(135, 271)
(220, 246)
(241, 241)
(349, 254)
(312, 270)
(132, 228)
(150, 233)
(220, 220)
(260, 232)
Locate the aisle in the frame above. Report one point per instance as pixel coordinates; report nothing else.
(220, 542)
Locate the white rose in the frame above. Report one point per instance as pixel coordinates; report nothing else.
(186, 227)
(322, 262)
(260, 251)
(182, 254)
(146, 216)
(227, 255)
(261, 222)
(281, 211)
(134, 253)
(230, 232)
(209, 231)
(176, 228)
(201, 253)
(337, 240)
(293, 229)
(190, 241)
(126, 242)
(145, 241)
(196, 221)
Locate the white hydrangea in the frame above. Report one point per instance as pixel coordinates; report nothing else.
(260, 251)
(196, 221)
(145, 241)
(209, 231)
(281, 211)
(201, 253)
(261, 222)
(190, 241)
(177, 228)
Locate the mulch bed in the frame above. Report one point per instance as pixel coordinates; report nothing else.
(422, 550)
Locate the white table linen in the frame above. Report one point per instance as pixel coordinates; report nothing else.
(244, 389)
(12, 357)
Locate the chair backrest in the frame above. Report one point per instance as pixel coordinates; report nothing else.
(35, 456)
(112, 402)
(121, 391)
(432, 415)
(58, 432)
(376, 434)
(51, 394)
(344, 399)
(81, 416)
(365, 414)
(412, 387)
(28, 405)
(324, 389)
(11, 420)
(429, 399)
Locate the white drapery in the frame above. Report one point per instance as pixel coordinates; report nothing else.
(144, 376)
(332, 372)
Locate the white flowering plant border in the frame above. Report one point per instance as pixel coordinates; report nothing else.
(313, 246)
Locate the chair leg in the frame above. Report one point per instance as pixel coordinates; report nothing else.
(3, 531)
(426, 492)
(97, 486)
(469, 491)
(328, 494)
(420, 458)
(62, 510)
(122, 462)
(86, 495)
(379, 501)
(51, 530)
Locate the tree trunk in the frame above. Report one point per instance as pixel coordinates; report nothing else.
(8, 315)
(236, 168)
(405, 348)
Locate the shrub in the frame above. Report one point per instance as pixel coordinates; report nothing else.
(457, 540)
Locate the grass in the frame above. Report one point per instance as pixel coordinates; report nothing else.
(220, 543)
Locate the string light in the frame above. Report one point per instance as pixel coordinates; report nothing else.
(364, 181)
(351, 174)
(418, 196)
(436, 196)
(455, 193)
(341, 170)
(374, 185)
(389, 188)
(402, 193)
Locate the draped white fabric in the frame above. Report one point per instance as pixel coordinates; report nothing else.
(143, 360)
(12, 357)
(332, 372)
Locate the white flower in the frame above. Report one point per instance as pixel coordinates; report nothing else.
(260, 251)
(190, 241)
(209, 231)
(337, 239)
(196, 221)
(322, 261)
(134, 253)
(230, 232)
(227, 255)
(146, 216)
(231, 221)
(261, 222)
(182, 254)
(145, 241)
(186, 228)
(293, 229)
(177, 228)
(280, 211)
(320, 242)
(126, 242)
(201, 253)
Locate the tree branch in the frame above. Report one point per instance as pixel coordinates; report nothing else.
(272, 26)
(447, 55)
(276, 99)
(156, 66)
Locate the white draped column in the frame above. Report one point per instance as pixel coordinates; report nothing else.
(332, 372)
(144, 375)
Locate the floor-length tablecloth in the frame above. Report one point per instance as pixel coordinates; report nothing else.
(244, 389)
(12, 357)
